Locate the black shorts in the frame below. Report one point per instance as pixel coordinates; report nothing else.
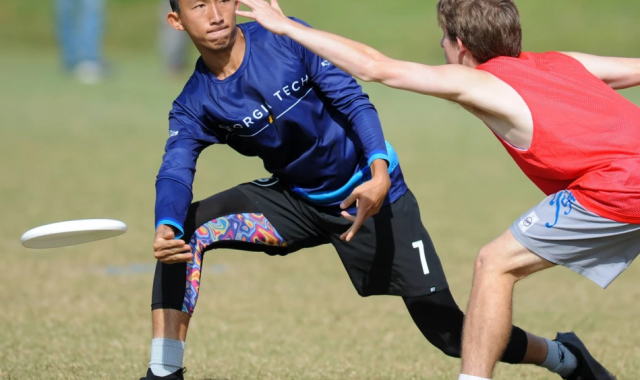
(391, 254)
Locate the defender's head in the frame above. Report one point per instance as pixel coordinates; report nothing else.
(476, 31)
(211, 24)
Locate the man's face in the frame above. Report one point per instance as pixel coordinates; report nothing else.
(450, 49)
(211, 24)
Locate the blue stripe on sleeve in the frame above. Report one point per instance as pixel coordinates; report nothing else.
(172, 223)
(376, 155)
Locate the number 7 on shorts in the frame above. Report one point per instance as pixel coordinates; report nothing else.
(418, 244)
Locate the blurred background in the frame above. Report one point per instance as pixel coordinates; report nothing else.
(85, 90)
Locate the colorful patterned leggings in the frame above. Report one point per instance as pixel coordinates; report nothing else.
(248, 228)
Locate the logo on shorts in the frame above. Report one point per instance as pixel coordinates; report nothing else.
(266, 182)
(528, 221)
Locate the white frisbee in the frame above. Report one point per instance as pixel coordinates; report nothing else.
(72, 232)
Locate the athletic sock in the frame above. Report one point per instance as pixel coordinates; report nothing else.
(166, 356)
(469, 377)
(559, 359)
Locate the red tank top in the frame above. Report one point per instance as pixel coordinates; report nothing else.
(586, 136)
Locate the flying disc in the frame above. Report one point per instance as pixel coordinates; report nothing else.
(72, 232)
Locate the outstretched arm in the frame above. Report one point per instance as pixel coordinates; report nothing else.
(451, 82)
(618, 73)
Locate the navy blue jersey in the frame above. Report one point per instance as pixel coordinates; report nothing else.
(307, 120)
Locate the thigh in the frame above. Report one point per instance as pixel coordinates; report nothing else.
(231, 220)
(392, 253)
(562, 231)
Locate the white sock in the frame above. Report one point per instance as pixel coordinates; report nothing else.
(559, 359)
(166, 356)
(469, 377)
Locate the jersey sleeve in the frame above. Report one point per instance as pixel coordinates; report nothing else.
(346, 95)
(187, 139)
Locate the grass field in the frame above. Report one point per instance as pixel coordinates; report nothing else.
(69, 151)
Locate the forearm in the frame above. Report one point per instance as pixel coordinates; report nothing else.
(174, 187)
(357, 59)
(366, 125)
(172, 204)
(366, 63)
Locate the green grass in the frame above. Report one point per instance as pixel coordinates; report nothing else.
(69, 151)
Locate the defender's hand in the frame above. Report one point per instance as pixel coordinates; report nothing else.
(167, 249)
(369, 198)
(268, 15)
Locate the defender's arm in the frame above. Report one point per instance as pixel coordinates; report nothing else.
(619, 73)
(453, 82)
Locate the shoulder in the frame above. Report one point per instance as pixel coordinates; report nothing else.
(192, 97)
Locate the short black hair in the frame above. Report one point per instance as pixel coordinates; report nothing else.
(175, 5)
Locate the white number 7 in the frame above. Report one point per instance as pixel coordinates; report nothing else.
(418, 244)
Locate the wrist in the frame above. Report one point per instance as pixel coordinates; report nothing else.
(380, 175)
(379, 168)
(290, 27)
(174, 225)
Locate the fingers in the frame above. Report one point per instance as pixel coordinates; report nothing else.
(348, 216)
(175, 259)
(350, 199)
(251, 4)
(357, 220)
(246, 14)
(248, 3)
(274, 3)
(175, 254)
(360, 217)
(171, 251)
(162, 244)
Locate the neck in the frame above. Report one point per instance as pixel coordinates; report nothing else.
(223, 63)
(469, 61)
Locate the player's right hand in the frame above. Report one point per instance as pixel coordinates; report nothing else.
(169, 250)
(268, 14)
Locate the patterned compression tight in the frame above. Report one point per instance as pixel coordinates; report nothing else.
(246, 231)
(248, 228)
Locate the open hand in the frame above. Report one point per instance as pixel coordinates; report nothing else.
(369, 198)
(267, 14)
(169, 250)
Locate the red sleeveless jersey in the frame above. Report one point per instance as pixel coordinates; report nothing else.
(586, 136)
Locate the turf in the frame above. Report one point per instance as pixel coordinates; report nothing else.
(70, 151)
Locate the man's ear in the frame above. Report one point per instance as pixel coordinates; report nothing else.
(462, 50)
(173, 18)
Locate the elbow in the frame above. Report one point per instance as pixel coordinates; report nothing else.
(372, 68)
(370, 72)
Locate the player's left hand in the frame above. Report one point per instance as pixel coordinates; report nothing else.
(267, 14)
(369, 198)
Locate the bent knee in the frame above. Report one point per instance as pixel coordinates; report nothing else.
(494, 261)
(489, 260)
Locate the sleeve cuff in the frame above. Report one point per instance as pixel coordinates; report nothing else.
(172, 223)
(378, 155)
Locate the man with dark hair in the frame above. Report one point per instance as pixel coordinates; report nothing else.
(321, 138)
(583, 156)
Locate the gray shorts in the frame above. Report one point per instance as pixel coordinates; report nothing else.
(563, 232)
